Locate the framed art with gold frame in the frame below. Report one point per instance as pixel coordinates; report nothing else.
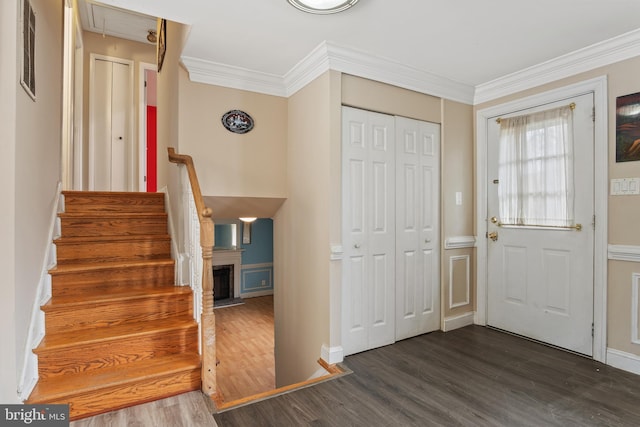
(162, 43)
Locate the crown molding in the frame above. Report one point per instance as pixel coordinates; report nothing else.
(327, 56)
(330, 56)
(591, 57)
(214, 73)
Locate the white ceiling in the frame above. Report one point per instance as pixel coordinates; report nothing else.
(469, 42)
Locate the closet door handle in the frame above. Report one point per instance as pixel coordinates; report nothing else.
(357, 246)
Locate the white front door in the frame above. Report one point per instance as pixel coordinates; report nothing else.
(540, 279)
(368, 176)
(417, 232)
(110, 149)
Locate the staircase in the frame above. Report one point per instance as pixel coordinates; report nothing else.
(118, 331)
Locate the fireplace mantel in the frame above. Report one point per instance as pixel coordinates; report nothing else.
(226, 256)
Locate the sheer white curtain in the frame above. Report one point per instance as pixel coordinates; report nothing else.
(536, 169)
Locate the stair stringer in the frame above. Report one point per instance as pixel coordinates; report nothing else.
(28, 375)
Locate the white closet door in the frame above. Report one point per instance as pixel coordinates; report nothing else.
(368, 177)
(100, 149)
(110, 150)
(417, 230)
(119, 128)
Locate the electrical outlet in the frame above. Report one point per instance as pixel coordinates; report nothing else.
(459, 198)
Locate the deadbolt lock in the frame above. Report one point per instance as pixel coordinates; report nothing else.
(493, 236)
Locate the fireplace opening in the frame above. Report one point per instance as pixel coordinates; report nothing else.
(222, 282)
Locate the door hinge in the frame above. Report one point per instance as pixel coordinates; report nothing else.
(593, 222)
(593, 114)
(592, 330)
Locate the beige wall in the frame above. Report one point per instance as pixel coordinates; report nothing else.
(228, 164)
(122, 49)
(33, 144)
(458, 279)
(8, 308)
(168, 100)
(301, 236)
(623, 211)
(383, 98)
(168, 103)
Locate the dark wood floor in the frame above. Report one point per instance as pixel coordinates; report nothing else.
(472, 376)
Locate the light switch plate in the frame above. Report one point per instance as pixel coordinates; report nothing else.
(459, 198)
(625, 186)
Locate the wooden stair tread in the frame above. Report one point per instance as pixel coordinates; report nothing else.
(56, 341)
(99, 296)
(74, 384)
(118, 330)
(118, 238)
(117, 194)
(108, 265)
(101, 201)
(106, 215)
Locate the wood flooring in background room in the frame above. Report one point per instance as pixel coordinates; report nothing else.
(244, 348)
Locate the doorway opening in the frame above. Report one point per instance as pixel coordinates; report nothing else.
(148, 153)
(243, 299)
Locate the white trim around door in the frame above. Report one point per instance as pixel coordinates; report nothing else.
(130, 118)
(142, 124)
(599, 88)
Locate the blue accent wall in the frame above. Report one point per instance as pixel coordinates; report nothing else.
(257, 258)
(260, 250)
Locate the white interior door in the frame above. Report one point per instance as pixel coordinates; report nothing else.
(390, 201)
(417, 233)
(368, 171)
(540, 280)
(110, 127)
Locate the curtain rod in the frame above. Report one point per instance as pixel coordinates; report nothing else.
(572, 106)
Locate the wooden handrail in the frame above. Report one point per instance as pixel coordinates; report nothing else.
(186, 160)
(207, 319)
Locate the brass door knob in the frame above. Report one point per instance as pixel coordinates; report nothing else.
(493, 236)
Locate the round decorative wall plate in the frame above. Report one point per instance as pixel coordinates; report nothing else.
(237, 121)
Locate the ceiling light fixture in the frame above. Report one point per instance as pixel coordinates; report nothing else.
(248, 219)
(322, 7)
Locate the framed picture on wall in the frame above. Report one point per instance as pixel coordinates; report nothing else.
(628, 128)
(28, 75)
(162, 43)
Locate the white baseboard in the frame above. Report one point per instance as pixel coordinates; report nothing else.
(623, 360)
(28, 376)
(455, 322)
(332, 355)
